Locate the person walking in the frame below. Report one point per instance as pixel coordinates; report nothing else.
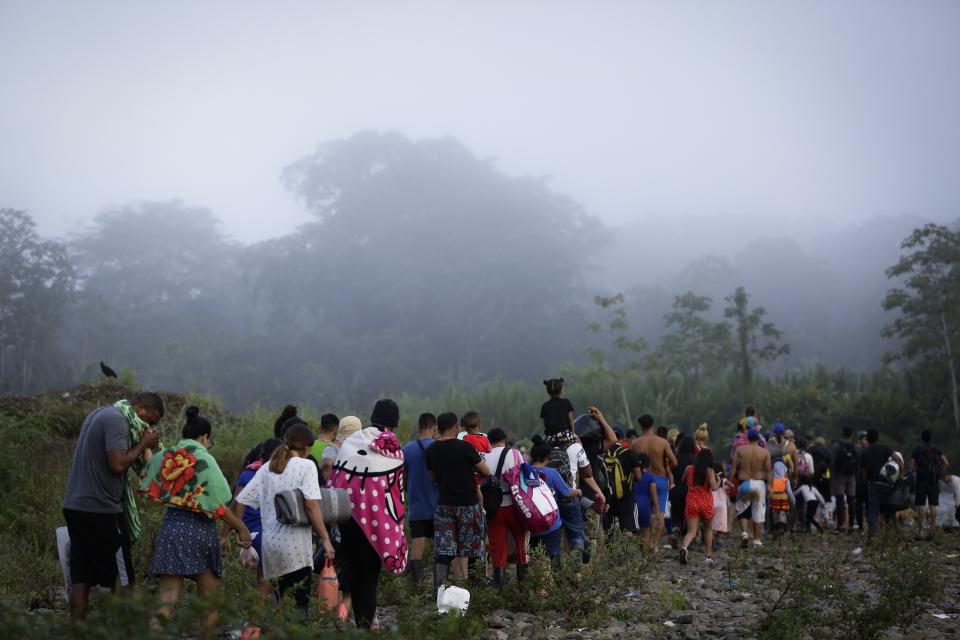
(329, 424)
(251, 515)
(662, 460)
(686, 456)
(370, 468)
(421, 492)
(844, 468)
(459, 521)
(98, 504)
(550, 539)
(752, 471)
(507, 523)
(701, 481)
(288, 548)
(928, 463)
(872, 460)
(188, 480)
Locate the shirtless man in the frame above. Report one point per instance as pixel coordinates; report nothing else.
(662, 461)
(752, 470)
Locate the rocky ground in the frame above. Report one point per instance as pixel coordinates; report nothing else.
(727, 600)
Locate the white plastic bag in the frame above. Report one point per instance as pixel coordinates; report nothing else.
(249, 559)
(452, 599)
(63, 551)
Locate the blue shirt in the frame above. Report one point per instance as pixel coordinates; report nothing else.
(560, 489)
(421, 491)
(251, 516)
(641, 488)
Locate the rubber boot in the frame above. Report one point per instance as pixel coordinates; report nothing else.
(521, 572)
(499, 578)
(416, 571)
(440, 573)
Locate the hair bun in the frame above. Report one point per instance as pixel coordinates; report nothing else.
(192, 412)
(561, 379)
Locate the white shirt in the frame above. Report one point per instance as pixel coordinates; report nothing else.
(578, 460)
(493, 459)
(809, 493)
(286, 548)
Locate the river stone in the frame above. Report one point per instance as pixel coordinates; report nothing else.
(494, 634)
(495, 622)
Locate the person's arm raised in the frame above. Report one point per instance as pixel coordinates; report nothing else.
(609, 436)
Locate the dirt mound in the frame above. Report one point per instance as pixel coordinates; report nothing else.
(62, 411)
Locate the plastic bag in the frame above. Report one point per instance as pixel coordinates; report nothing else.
(249, 558)
(452, 600)
(328, 588)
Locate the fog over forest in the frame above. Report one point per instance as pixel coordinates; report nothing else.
(331, 201)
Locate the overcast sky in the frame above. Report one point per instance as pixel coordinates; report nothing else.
(817, 110)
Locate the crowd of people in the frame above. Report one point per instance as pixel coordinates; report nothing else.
(477, 497)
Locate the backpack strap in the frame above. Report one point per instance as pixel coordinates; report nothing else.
(503, 456)
(420, 444)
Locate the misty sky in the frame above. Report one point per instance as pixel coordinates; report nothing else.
(788, 110)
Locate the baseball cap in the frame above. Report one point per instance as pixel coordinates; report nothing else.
(861, 434)
(753, 434)
(779, 428)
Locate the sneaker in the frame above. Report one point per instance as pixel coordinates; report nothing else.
(709, 560)
(757, 543)
(744, 540)
(683, 556)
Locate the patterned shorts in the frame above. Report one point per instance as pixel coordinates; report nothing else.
(459, 531)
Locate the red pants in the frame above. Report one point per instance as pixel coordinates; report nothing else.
(506, 523)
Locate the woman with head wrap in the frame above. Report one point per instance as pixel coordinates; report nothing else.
(188, 480)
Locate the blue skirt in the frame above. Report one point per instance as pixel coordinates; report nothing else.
(187, 545)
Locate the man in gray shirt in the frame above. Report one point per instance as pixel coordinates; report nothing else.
(92, 507)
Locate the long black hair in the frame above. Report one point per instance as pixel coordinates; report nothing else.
(701, 465)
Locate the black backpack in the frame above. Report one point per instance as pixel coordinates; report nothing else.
(491, 490)
(847, 459)
(929, 466)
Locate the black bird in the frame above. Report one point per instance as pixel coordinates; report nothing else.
(107, 371)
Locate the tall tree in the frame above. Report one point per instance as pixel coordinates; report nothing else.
(928, 302)
(36, 280)
(473, 271)
(622, 353)
(697, 346)
(756, 340)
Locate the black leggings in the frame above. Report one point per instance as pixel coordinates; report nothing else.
(299, 583)
(812, 514)
(362, 569)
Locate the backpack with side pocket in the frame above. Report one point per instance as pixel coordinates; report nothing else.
(929, 467)
(491, 490)
(847, 459)
(559, 461)
(600, 476)
(620, 480)
(532, 498)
